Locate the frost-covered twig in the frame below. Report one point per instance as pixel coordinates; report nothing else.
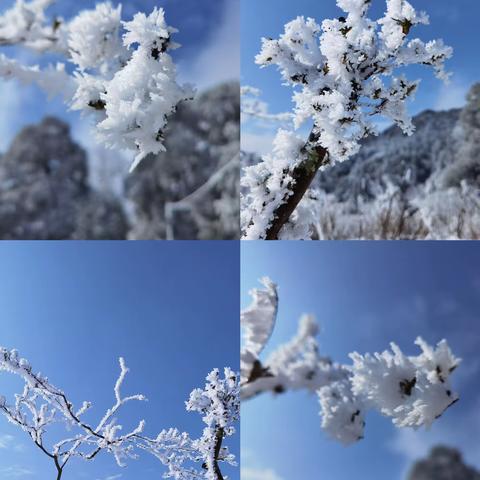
(339, 71)
(41, 405)
(411, 390)
(219, 405)
(123, 76)
(193, 202)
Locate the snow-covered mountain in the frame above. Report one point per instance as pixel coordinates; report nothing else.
(45, 192)
(443, 463)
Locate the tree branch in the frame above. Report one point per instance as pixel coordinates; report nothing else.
(314, 157)
(218, 446)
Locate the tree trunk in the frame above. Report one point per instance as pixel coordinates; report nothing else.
(302, 175)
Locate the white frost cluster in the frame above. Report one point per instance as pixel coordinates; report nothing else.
(123, 76)
(412, 390)
(343, 73)
(343, 414)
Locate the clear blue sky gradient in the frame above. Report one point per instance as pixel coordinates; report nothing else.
(364, 295)
(72, 308)
(455, 22)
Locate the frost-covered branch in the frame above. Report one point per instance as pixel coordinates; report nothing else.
(411, 390)
(219, 405)
(344, 74)
(41, 405)
(123, 76)
(193, 202)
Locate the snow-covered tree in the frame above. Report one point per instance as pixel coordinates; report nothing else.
(119, 73)
(412, 391)
(42, 407)
(344, 73)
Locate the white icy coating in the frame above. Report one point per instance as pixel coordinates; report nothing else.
(42, 405)
(295, 365)
(259, 319)
(426, 213)
(412, 390)
(268, 182)
(344, 73)
(123, 76)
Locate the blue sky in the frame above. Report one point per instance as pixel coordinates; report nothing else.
(364, 295)
(455, 22)
(208, 32)
(72, 308)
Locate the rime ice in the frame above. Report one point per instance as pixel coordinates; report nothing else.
(412, 390)
(123, 76)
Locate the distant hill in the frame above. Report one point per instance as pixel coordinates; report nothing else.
(45, 191)
(443, 463)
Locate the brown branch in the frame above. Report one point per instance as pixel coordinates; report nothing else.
(314, 156)
(220, 433)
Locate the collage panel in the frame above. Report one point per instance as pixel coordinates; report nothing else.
(360, 120)
(119, 360)
(119, 119)
(360, 360)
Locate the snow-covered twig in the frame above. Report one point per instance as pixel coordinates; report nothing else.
(193, 202)
(411, 390)
(219, 405)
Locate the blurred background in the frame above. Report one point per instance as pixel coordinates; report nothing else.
(365, 295)
(93, 196)
(73, 308)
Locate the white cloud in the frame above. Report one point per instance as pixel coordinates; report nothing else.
(14, 471)
(10, 108)
(260, 143)
(220, 58)
(112, 477)
(9, 442)
(259, 474)
(452, 95)
(6, 441)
